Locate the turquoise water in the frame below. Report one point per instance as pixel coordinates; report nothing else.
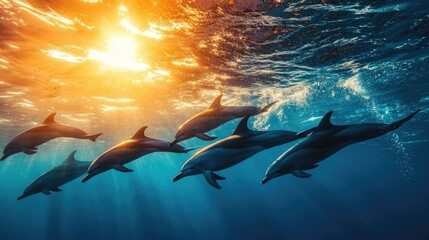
(366, 61)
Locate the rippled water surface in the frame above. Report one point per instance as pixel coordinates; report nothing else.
(115, 66)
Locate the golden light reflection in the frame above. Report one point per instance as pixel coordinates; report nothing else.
(13, 46)
(92, 1)
(152, 32)
(188, 62)
(114, 100)
(63, 56)
(52, 18)
(106, 108)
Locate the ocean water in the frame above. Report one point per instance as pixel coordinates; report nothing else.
(115, 66)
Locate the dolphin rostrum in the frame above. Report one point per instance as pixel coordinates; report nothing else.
(138, 146)
(241, 145)
(213, 117)
(326, 140)
(49, 129)
(69, 170)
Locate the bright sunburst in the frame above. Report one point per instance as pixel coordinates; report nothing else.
(120, 53)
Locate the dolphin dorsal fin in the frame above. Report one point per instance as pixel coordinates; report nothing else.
(242, 126)
(50, 118)
(216, 103)
(70, 158)
(140, 133)
(326, 121)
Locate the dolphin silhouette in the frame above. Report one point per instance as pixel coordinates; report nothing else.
(69, 170)
(213, 117)
(326, 140)
(138, 146)
(49, 129)
(241, 145)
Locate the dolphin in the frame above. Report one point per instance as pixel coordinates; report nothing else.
(241, 145)
(69, 170)
(49, 129)
(326, 140)
(213, 117)
(138, 146)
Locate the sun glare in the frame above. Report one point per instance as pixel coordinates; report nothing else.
(122, 46)
(120, 53)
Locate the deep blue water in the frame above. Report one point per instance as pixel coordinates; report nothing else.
(367, 61)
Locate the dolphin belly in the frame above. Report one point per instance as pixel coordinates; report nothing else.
(205, 124)
(222, 158)
(302, 158)
(31, 140)
(119, 157)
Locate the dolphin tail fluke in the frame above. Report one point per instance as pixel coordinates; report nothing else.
(93, 137)
(266, 108)
(397, 124)
(211, 179)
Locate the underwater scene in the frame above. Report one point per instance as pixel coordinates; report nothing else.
(214, 119)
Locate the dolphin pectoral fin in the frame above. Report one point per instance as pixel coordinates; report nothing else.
(29, 151)
(122, 168)
(210, 178)
(309, 167)
(55, 189)
(217, 177)
(205, 137)
(300, 173)
(46, 191)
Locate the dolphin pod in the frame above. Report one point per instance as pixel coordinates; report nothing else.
(318, 144)
(241, 145)
(69, 170)
(49, 129)
(138, 146)
(213, 117)
(325, 140)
